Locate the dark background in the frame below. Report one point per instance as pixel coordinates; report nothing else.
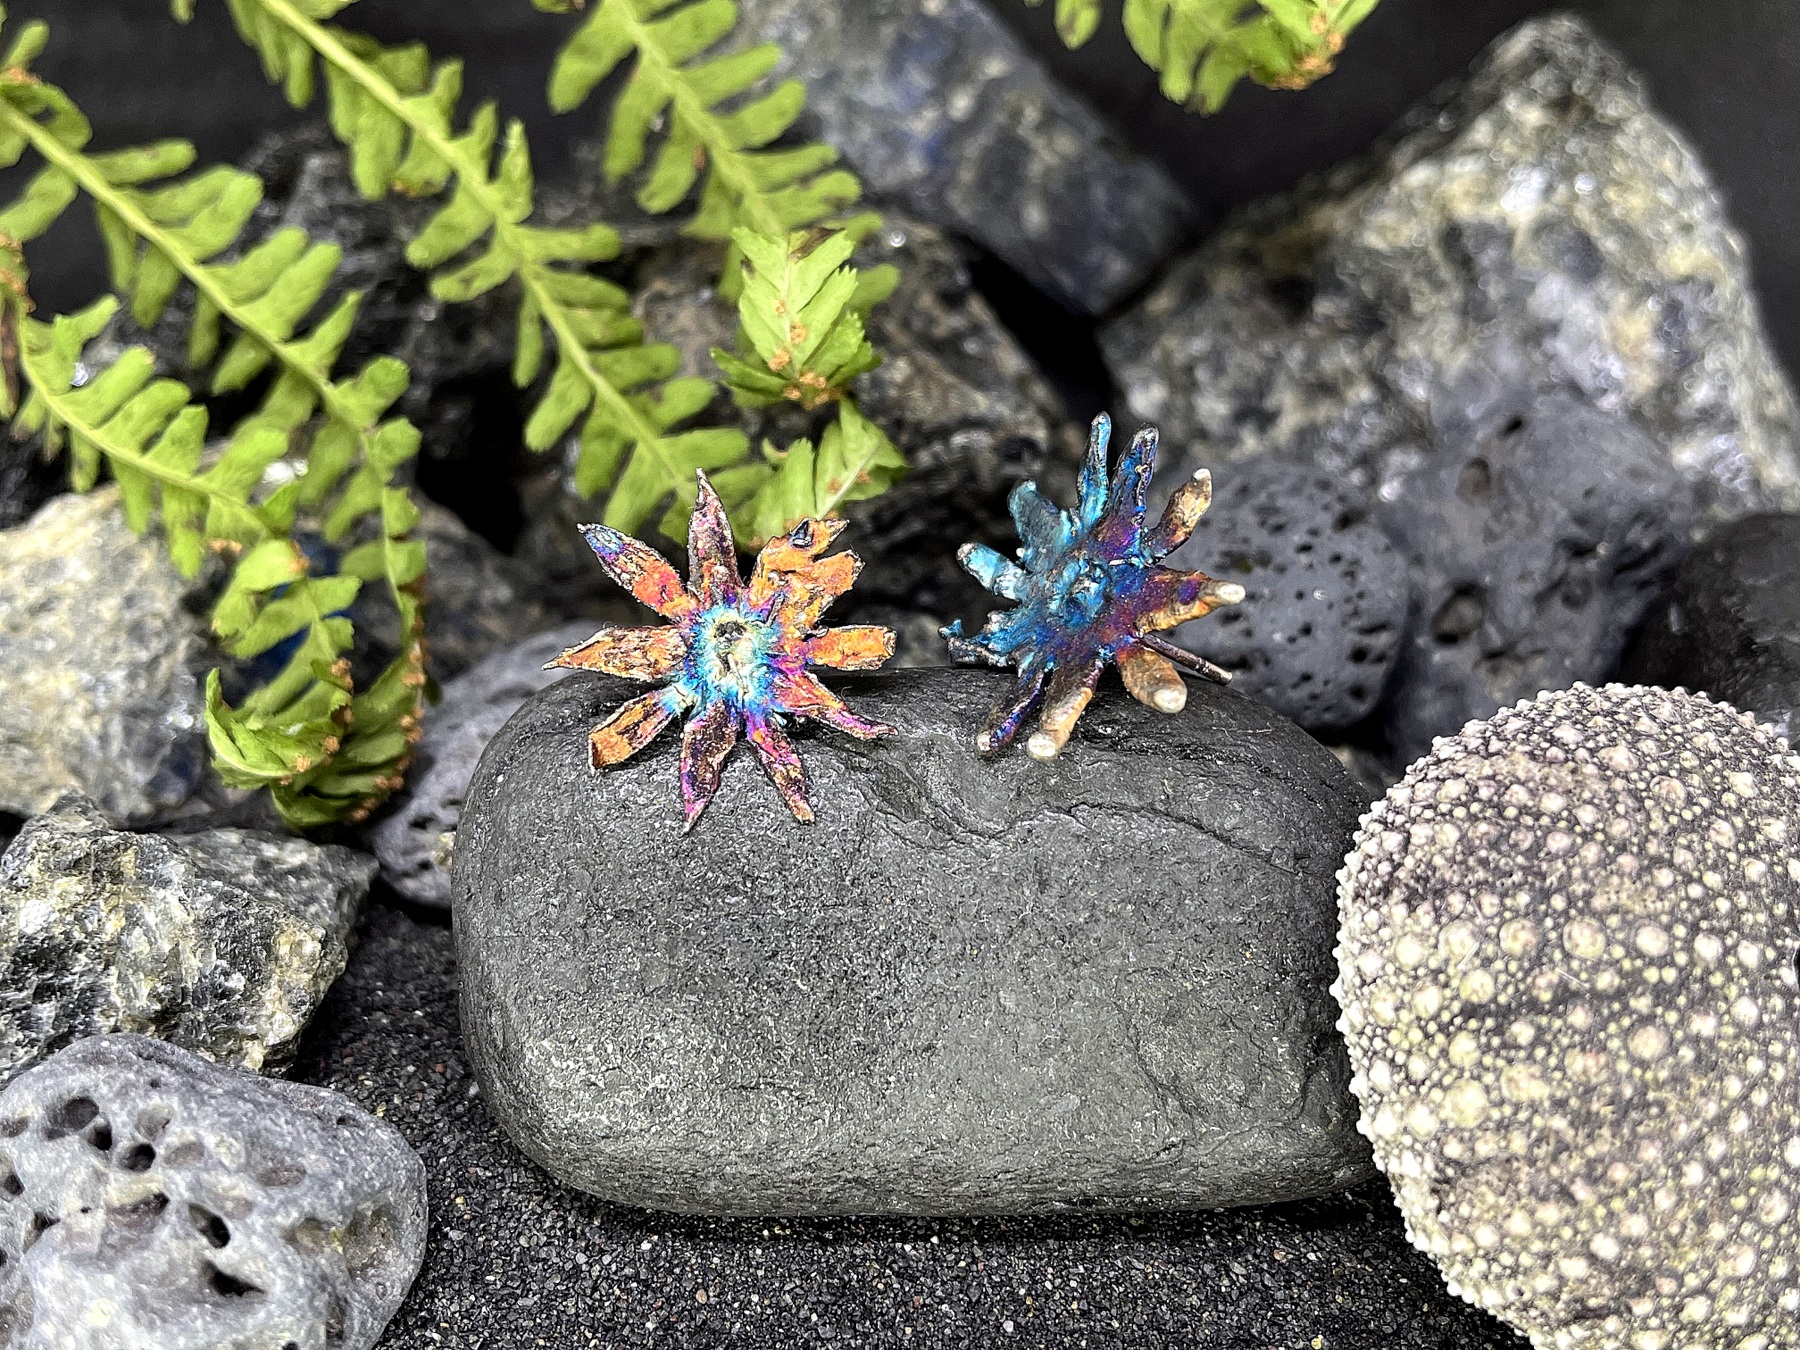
(1727, 71)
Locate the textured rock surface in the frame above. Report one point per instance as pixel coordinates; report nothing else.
(222, 942)
(478, 601)
(413, 841)
(1540, 532)
(516, 1259)
(955, 391)
(972, 987)
(1540, 206)
(1730, 622)
(154, 1201)
(1326, 593)
(100, 659)
(1568, 981)
(938, 106)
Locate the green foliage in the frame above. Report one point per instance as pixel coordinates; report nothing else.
(800, 312)
(800, 316)
(396, 113)
(675, 88)
(854, 461)
(1202, 48)
(325, 750)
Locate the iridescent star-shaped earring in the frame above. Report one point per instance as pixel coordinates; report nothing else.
(734, 656)
(1089, 591)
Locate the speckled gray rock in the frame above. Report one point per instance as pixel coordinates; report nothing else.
(956, 392)
(1568, 979)
(100, 664)
(938, 106)
(222, 942)
(1326, 593)
(1539, 532)
(1730, 622)
(413, 841)
(1542, 205)
(971, 987)
(153, 1201)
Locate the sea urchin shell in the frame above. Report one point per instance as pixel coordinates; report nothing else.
(734, 656)
(1089, 591)
(1568, 987)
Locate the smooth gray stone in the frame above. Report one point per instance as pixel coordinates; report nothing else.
(970, 987)
(154, 1201)
(101, 653)
(1729, 623)
(223, 941)
(936, 104)
(1540, 205)
(413, 841)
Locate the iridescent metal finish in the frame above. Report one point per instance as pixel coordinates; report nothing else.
(734, 656)
(1089, 591)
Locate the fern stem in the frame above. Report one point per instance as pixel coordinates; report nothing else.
(727, 162)
(81, 169)
(479, 185)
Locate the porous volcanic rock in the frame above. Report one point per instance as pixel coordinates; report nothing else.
(414, 840)
(1568, 979)
(222, 941)
(1729, 622)
(1539, 206)
(153, 1201)
(971, 987)
(1326, 592)
(1539, 531)
(939, 107)
(100, 660)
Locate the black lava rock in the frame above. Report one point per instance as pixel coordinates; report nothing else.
(1730, 622)
(940, 107)
(1541, 530)
(517, 1260)
(1326, 592)
(1541, 204)
(973, 987)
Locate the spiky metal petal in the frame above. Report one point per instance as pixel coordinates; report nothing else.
(1089, 590)
(734, 656)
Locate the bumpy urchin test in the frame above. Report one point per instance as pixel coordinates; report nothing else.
(1567, 973)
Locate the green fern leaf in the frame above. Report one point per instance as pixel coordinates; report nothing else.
(712, 119)
(853, 462)
(1202, 48)
(160, 235)
(800, 315)
(397, 115)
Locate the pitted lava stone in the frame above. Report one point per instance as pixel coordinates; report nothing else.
(1541, 529)
(972, 987)
(1729, 622)
(1326, 593)
(153, 1201)
(1567, 971)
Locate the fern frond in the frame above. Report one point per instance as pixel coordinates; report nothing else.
(800, 327)
(396, 113)
(711, 117)
(1202, 48)
(298, 734)
(800, 315)
(853, 462)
